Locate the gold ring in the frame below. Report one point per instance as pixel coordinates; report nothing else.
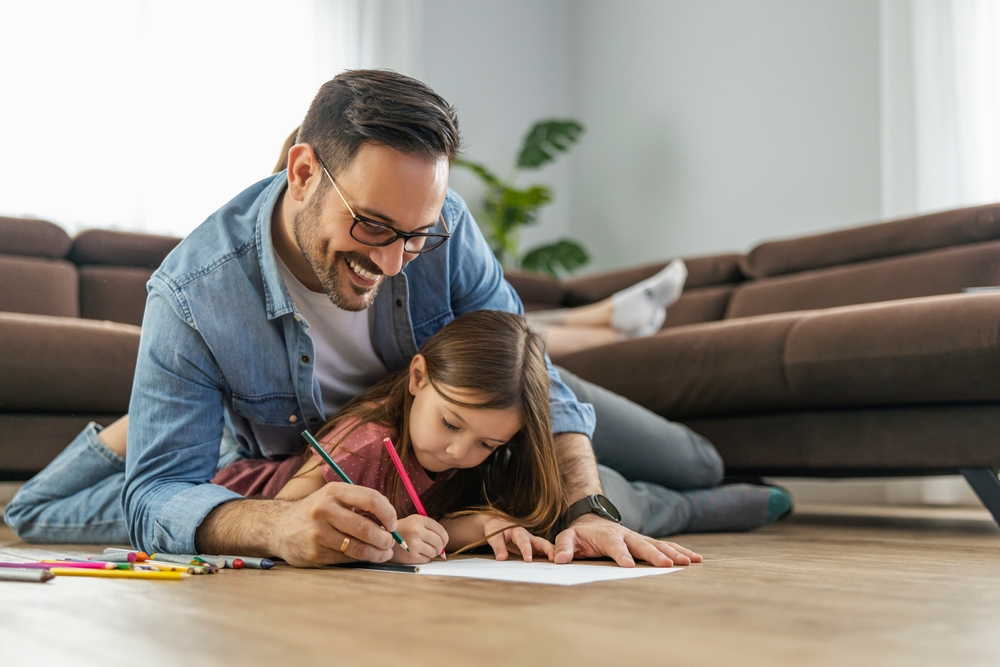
(343, 547)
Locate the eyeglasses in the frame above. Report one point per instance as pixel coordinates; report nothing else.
(375, 233)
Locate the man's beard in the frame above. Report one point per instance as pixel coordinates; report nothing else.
(341, 291)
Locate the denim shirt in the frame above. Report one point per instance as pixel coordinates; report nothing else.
(222, 345)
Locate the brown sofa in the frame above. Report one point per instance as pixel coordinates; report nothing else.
(70, 311)
(853, 353)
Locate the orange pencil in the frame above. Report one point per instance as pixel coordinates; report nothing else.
(396, 461)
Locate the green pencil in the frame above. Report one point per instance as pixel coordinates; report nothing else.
(343, 475)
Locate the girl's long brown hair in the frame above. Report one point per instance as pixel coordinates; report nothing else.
(495, 355)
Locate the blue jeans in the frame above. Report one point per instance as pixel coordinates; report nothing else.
(77, 498)
(644, 461)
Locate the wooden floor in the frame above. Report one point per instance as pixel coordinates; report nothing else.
(824, 588)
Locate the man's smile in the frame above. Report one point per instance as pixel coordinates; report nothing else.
(362, 276)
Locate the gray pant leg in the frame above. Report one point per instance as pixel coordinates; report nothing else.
(641, 445)
(649, 509)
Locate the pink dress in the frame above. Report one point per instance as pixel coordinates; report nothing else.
(362, 456)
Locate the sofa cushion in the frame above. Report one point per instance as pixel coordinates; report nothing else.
(28, 442)
(942, 349)
(702, 272)
(116, 293)
(899, 237)
(33, 238)
(701, 304)
(537, 291)
(914, 440)
(945, 271)
(104, 246)
(702, 369)
(929, 350)
(55, 364)
(38, 286)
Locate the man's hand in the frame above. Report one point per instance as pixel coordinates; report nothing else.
(308, 532)
(425, 537)
(590, 536)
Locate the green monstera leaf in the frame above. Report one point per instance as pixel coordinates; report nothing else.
(485, 175)
(563, 254)
(506, 208)
(545, 140)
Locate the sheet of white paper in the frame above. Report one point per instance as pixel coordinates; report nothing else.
(539, 572)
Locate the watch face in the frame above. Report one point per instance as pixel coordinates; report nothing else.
(608, 507)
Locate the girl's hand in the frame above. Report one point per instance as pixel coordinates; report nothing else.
(516, 539)
(425, 537)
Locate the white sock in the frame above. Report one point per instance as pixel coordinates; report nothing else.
(641, 309)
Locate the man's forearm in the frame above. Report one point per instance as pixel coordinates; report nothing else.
(577, 465)
(240, 527)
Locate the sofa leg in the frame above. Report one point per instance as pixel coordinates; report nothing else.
(986, 484)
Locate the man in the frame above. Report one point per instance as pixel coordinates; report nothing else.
(300, 293)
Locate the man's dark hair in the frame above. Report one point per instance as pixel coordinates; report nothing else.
(383, 107)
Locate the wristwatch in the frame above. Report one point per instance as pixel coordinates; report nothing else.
(595, 503)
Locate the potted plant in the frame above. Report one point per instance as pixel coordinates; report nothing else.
(506, 208)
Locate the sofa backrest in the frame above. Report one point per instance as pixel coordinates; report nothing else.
(906, 236)
(35, 277)
(114, 268)
(706, 294)
(940, 253)
(100, 274)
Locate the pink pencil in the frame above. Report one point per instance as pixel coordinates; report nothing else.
(48, 565)
(394, 455)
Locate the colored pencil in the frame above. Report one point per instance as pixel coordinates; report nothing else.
(48, 565)
(173, 567)
(410, 489)
(250, 562)
(23, 574)
(140, 556)
(114, 566)
(229, 561)
(386, 567)
(117, 574)
(188, 559)
(87, 565)
(112, 558)
(343, 475)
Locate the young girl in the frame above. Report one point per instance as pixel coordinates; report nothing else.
(470, 420)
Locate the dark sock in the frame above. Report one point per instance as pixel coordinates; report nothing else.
(779, 505)
(736, 507)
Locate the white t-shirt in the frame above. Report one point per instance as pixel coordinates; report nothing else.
(344, 359)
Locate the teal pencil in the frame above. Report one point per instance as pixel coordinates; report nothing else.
(343, 475)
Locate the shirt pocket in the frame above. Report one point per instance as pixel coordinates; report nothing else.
(271, 410)
(274, 423)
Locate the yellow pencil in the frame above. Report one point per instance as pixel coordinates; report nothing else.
(116, 574)
(172, 567)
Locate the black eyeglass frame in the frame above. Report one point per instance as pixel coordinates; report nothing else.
(397, 234)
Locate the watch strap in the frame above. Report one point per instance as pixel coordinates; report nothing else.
(587, 505)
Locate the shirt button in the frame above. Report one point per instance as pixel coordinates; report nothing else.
(305, 358)
(293, 418)
(399, 303)
(297, 318)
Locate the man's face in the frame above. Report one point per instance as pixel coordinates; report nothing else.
(383, 184)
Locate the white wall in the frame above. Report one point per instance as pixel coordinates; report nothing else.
(504, 65)
(711, 125)
(716, 124)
